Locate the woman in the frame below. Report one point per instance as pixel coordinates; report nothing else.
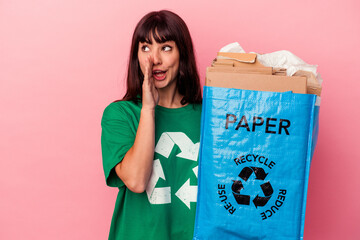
(150, 139)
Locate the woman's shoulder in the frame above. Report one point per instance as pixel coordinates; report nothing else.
(196, 107)
(121, 108)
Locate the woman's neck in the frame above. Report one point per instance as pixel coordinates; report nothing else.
(170, 99)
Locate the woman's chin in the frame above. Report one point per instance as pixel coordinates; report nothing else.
(160, 85)
(165, 83)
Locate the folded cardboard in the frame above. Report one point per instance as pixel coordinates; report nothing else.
(279, 71)
(257, 82)
(240, 57)
(242, 70)
(313, 86)
(245, 60)
(252, 70)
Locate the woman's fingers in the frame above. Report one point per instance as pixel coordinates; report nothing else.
(150, 94)
(148, 70)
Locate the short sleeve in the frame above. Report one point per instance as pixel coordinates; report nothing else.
(117, 137)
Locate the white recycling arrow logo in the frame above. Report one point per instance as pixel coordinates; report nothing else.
(187, 193)
(189, 151)
(167, 140)
(157, 195)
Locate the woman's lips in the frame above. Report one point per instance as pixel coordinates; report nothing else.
(159, 75)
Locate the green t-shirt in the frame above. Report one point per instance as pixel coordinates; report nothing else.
(166, 210)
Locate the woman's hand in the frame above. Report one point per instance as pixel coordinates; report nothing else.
(150, 95)
(136, 167)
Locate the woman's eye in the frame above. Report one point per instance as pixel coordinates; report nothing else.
(167, 48)
(145, 48)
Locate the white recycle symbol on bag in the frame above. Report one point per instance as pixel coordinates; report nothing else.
(189, 151)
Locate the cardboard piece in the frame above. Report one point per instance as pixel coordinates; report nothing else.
(235, 63)
(245, 60)
(257, 82)
(240, 57)
(251, 70)
(279, 71)
(313, 85)
(242, 71)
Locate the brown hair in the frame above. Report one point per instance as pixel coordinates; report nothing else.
(164, 26)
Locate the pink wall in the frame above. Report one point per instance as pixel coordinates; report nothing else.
(62, 62)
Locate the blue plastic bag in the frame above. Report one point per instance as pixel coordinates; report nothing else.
(255, 154)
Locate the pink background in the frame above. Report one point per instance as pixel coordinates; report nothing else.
(62, 62)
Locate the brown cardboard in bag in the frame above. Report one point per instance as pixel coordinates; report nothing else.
(257, 82)
(250, 70)
(241, 57)
(313, 86)
(245, 60)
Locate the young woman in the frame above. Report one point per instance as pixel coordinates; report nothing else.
(150, 139)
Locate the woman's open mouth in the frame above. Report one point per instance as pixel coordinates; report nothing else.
(159, 75)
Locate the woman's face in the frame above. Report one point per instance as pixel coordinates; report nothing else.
(165, 59)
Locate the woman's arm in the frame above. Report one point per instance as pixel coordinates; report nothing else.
(136, 167)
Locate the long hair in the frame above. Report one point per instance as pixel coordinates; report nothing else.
(164, 26)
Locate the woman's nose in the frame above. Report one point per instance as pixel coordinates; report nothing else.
(156, 58)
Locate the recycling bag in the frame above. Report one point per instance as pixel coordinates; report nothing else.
(254, 162)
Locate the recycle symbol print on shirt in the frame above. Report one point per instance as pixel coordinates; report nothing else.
(188, 152)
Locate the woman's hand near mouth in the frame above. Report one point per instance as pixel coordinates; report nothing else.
(150, 95)
(136, 167)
